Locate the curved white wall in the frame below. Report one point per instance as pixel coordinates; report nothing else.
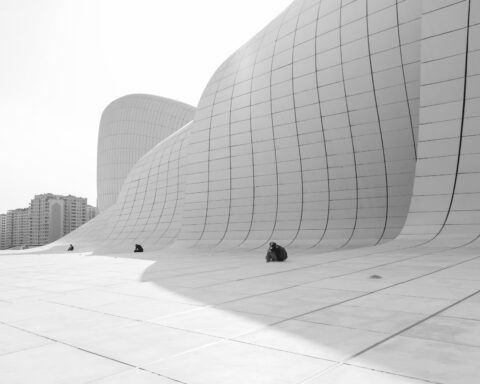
(130, 126)
(306, 135)
(446, 198)
(149, 208)
(309, 135)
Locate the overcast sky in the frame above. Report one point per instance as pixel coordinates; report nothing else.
(63, 61)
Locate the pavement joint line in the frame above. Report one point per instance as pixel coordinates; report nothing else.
(396, 310)
(352, 299)
(205, 272)
(369, 268)
(461, 318)
(285, 351)
(376, 291)
(336, 276)
(442, 341)
(290, 318)
(142, 321)
(333, 251)
(87, 351)
(394, 374)
(396, 334)
(287, 271)
(230, 301)
(418, 323)
(22, 349)
(130, 318)
(333, 262)
(125, 373)
(232, 338)
(343, 326)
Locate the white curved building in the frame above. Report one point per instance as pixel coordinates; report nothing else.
(313, 134)
(344, 123)
(149, 208)
(130, 126)
(306, 135)
(445, 207)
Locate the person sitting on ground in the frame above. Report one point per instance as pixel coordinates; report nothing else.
(70, 248)
(138, 248)
(276, 253)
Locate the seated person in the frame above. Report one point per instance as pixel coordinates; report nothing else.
(138, 248)
(276, 253)
(70, 248)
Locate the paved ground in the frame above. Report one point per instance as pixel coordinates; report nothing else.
(223, 319)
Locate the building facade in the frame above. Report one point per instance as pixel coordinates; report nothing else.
(75, 213)
(53, 216)
(91, 212)
(3, 231)
(48, 218)
(131, 126)
(17, 228)
(41, 207)
(341, 124)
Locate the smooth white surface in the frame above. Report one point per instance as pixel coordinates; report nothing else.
(130, 126)
(73, 318)
(337, 126)
(306, 136)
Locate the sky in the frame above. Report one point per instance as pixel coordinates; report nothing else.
(63, 61)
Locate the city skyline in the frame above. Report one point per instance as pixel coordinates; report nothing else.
(44, 193)
(67, 61)
(47, 218)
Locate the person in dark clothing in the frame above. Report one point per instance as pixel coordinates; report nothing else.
(276, 253)
(138, 248)
(70, 248)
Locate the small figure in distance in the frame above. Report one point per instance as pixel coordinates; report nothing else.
(70, 248)
(138, 248)
(276, 253)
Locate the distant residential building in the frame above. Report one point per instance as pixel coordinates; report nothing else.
(75, 213)
(3, 231)
(91, 212)
(18, 228)
(48, 218)
(54, 216)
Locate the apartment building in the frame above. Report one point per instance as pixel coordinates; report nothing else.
(3, 231)
(17, 228)
(48, 218)
(91, 212)
(54, 216)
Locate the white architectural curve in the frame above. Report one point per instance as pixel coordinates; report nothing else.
(130, 126)
(306, 135)
(445, 207)
(149, 207)
(309, 135)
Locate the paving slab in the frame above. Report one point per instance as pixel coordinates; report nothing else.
(55, 363)
(240, 320)
(231, 362)
(429, 360)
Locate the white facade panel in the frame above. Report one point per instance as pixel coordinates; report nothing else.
(312, 134)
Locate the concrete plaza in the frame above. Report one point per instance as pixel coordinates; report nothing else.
(372, 315)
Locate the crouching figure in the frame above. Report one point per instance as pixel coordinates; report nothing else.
(276, 253)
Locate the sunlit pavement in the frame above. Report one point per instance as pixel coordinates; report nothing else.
(358, 316)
